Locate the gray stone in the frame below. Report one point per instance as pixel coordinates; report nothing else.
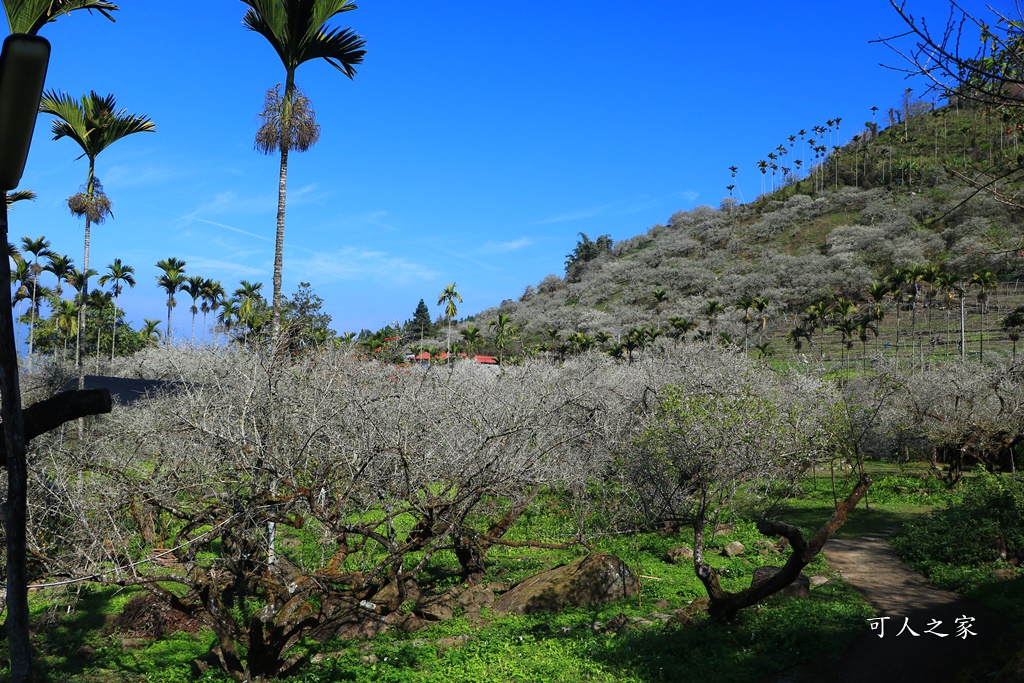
(435, 610)
(591, 580)
(1004, 574)
(733, 549)
(683, 553)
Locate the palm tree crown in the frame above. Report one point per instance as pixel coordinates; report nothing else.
(28, 16)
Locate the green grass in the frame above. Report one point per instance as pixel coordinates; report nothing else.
(761, 642)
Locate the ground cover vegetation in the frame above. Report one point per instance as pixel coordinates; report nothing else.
(297, 503)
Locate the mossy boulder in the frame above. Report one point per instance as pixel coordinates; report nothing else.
(591, 580)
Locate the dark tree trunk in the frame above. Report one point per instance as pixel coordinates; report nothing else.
(725, 605)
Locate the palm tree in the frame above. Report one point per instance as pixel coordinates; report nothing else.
(948, 283)
(866, 323)
(712, 309)
(76, 280)
(816, 316)
(764, 350)
(297, 31)
(213, 295)
(761, 304)
(117, 273)
(65, 320)
(94, 123)
(503, 331)
(249, 299)
(39, 246)
(447, 299)
(660, 297)
(171, 281)
(680, 326)
(228, 314)
(472, 336)
(100, 303)
(60, 265)
(149, 333)
(193, 286)
(745, 303)
(986, 281)
(21, 277)
(28, 16)
(1012, 323)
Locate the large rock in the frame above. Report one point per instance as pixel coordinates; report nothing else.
(591, 580)
(800, 588)
(733, 549)
(680, 555)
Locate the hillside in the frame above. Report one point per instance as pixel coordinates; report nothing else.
(899, 206)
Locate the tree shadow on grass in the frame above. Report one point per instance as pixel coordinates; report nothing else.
(66, 634)
(861, 522)
(759, 644)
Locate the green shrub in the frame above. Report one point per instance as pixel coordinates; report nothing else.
(985, 525)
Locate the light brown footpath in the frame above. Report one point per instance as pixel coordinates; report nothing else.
(905, 597)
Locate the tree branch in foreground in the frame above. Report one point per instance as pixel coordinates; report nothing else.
(725, 605)
(51, 413)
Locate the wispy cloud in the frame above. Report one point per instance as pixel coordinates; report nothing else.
(227, 271)
(504, 247)
(612, 209)
(688, 195)
(196, 219)
(122, 176)
(351, 264)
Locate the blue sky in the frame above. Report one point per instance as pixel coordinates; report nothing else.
(476, 141)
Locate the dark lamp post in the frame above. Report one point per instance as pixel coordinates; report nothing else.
(23, 62)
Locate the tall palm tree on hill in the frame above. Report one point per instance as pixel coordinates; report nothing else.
(171, 282)
(117, 274)
(94, 123)
(986, 281)
(298, 32)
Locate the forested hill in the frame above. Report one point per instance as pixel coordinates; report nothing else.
(929, 198)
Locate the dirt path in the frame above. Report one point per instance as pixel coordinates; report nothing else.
(897, 592)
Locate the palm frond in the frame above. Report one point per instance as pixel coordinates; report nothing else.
(297, 31)
(94, 122)
(28, 16)
(20, 196)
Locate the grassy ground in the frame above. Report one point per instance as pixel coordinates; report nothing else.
(75, 642)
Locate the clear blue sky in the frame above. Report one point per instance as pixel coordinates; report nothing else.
(476, 141)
